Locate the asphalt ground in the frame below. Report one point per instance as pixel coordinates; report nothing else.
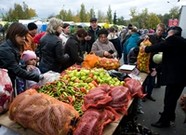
(151, 114)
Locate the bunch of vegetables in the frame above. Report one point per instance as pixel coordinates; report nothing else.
(75, 83)
(143, 58)
(108, 63)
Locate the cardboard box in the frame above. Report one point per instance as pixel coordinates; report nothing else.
(127, 68)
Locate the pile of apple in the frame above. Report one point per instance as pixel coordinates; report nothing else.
(75, 83)
(89, 78)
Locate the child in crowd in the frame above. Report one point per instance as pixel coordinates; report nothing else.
(29, 58)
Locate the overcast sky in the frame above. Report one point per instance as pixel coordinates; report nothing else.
(45, 8)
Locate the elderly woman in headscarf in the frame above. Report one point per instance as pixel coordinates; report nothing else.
(52, 51)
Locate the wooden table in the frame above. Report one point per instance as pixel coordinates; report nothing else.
(109, 129)
(6, 122)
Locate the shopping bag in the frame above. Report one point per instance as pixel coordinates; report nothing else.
(49, 77)
(6, 91)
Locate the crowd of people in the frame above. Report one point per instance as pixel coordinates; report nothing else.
(27, 55)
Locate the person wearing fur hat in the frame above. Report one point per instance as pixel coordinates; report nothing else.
(29, 42)
(52, 55)
(102, 47)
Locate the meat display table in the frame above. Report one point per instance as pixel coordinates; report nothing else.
(109, 129)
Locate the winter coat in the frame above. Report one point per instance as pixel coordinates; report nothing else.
(72, 47)
(94, 36)
(173, 61)
(116, 42)
(52, 53)
(10, 58)
(131, 42)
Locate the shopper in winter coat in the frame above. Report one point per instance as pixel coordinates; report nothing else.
(112, 36)
(52, 51)
(10, 53)
(131, 42)
(92, 34)
(72, 48)
(149, 83)
(102, 47)
(173, 72)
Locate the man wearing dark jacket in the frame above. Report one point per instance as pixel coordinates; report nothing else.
(173, 72)
(92, 34)
(149, 84)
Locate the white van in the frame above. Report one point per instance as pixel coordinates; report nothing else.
(182, 20)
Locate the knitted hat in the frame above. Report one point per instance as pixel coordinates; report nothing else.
(32, 26)
(28, 55)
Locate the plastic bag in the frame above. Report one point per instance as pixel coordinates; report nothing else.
(49, 77)
(108, 63)
(6, 91)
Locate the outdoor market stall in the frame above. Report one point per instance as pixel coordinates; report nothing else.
(81, 84)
